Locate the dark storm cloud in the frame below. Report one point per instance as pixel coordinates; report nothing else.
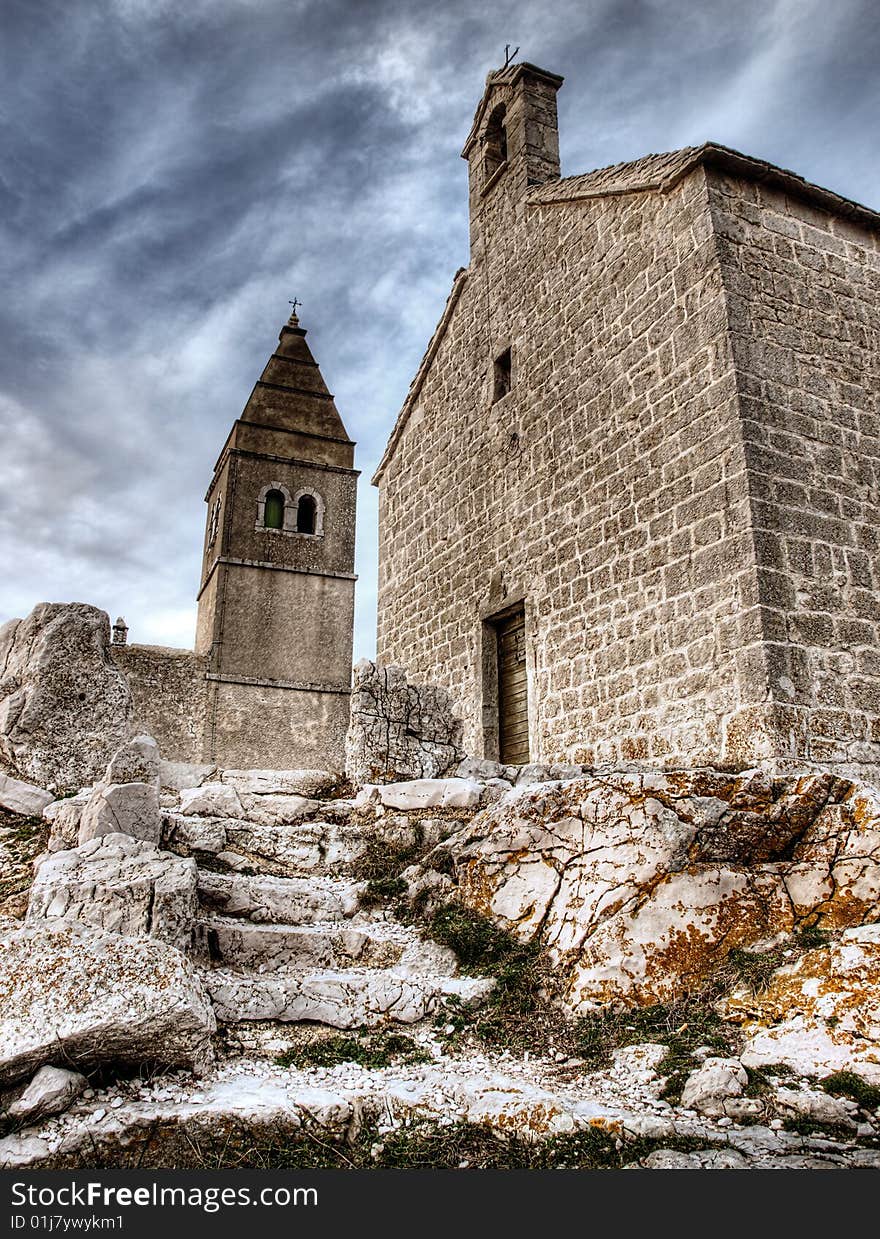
(171, 174)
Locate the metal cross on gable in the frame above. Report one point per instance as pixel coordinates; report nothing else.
(508, 54)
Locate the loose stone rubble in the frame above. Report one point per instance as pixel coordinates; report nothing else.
(399, 730)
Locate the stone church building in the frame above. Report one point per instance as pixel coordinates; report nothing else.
(269, 682)
(630, 509)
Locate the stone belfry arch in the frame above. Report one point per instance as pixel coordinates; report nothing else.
(276, 598)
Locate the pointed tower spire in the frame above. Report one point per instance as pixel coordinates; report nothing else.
(276, 604)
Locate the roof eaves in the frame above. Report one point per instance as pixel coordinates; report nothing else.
(458, 284)
(724, 158)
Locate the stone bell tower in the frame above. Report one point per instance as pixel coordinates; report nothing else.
(276, 603)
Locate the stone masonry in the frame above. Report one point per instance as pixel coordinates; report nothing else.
(677, 480)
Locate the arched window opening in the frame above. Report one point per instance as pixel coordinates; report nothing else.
(273, 513)
(306, 514)
(495, 141)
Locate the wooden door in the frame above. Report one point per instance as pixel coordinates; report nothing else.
(513, 698)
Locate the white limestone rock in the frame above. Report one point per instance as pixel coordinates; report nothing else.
(135, 761)
(351, 998)
(713, 1084)
(126, 800)
(276, 809)
(176, 775)
(532, 773)
(286, 901)
(481, 769)
(817, 1106)
(819, 1015)
(195, 834)
(310, 846)
(91, 998)
(641, 882)
(24, 798)
(64, 817)
(122, 808)
(210, 800)
(119, 884)
(399, 730)
(423, 794)
(640, 1062)
(51, 1091)
(311, 784)
(64, 704)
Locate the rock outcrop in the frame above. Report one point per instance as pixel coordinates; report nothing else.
(639, 884)
(64, 705)
(119, 884)
(399, 730)
(73, 994)
(821, 1014)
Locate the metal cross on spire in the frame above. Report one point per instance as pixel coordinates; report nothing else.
(296, 301)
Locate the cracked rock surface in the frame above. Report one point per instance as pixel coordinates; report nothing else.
(64, 705)
(399, 730)
(638, 883)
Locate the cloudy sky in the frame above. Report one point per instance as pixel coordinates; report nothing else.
(173, 172)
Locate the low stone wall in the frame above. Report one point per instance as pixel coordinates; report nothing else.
(169, 694)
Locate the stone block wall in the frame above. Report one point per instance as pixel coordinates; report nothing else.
(169, 697)
(803, 294)
(607, 490)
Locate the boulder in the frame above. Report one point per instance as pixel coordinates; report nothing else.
(210, 800)
(122, 809)
(23, 798)
(176, 775)
(277, 809)
(119, 884)
(818, 1107)
(480, 768)
(91, 998)
(126, 801)
(194, 834)
(532, 773)
(309, 783)
(713, 1084)
(399, 730)
(641, 882)
(64, 704)
(135, 761)
(51, 1091)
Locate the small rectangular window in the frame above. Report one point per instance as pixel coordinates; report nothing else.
(503, 374)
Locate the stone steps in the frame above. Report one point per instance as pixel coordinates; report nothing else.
(340, 998)
(300, 947)
(286, 901)
(236, 943)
